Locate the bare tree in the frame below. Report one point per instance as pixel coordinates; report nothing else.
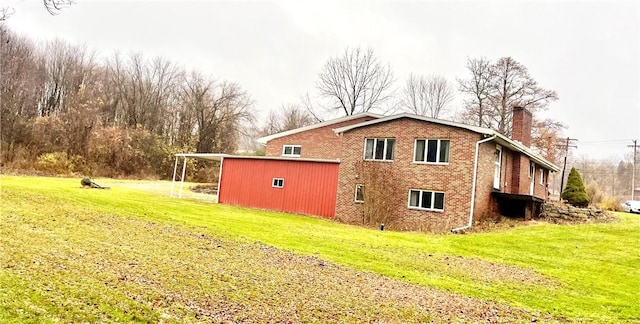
(6, 13)
(310, 108)
(355, 82)
(67, 69)
(427, 96)
(492, 91)
(142, 91)
(545, 136)
(219, 109)
(288, 117)
(513, 86)
(477, 90)
(18, 90)
(52, 6)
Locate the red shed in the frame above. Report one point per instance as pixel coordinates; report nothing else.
(304, 186)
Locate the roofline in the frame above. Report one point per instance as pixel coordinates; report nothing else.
(265, 139)
(220, 156)
(513, 144)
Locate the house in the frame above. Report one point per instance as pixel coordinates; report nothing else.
(407, 171)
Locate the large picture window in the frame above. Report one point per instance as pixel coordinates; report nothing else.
(379, 149)
(431, 150)
(426, 200)
(291, 150)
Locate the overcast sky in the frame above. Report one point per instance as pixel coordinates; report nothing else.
(587, 51)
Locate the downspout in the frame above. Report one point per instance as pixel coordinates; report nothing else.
(473, 185)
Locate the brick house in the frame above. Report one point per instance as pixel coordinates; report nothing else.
(417, 173)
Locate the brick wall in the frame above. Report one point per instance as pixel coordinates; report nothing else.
(484, 205)
(319, 143)
(515, 172)
(454, 179)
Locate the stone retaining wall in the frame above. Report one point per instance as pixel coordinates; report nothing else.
(561, 213)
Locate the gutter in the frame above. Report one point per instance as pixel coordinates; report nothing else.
(473, 186)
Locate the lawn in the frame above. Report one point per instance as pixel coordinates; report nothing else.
(71, 254)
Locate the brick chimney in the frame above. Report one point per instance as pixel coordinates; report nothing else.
(521, 130)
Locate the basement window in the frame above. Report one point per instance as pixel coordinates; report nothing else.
(426, 200)
(380, 149)
(278, 183)
(291, 150)
(359, 195)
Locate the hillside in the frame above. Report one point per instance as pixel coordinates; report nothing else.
(80, 255)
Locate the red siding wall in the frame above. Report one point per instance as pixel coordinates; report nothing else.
(309, 187)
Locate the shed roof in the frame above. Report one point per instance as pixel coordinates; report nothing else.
(219, 156)
(500, 139)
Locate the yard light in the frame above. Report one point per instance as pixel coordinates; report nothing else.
(382, 226)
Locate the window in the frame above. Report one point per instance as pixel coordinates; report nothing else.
(426, 200)
(541, 176)
(278, 183)
(431, 151)
(359, 198)
(532, 169)
(379, 149)
(291, 150)
(497, 167)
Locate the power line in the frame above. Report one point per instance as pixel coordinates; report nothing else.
(606, 141)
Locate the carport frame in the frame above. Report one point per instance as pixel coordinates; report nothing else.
(203, 156)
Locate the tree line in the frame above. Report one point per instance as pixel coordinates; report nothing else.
(63, 109)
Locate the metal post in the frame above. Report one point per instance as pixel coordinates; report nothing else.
(184, 169)
(173, 180)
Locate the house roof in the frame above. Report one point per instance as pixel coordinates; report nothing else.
(265, 139)
(500, 139)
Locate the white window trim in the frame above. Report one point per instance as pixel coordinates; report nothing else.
(292, 147)
(444, 201)
(384, 153)
(541, 176)
(415, 147)
(273, 183)
(532, 167)
(355, 194)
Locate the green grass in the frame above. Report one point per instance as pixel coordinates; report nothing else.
(586, 272)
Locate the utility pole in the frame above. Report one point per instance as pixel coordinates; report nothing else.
(566, 145)
(633, 177)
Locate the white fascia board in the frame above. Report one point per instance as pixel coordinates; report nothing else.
(472, 128)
